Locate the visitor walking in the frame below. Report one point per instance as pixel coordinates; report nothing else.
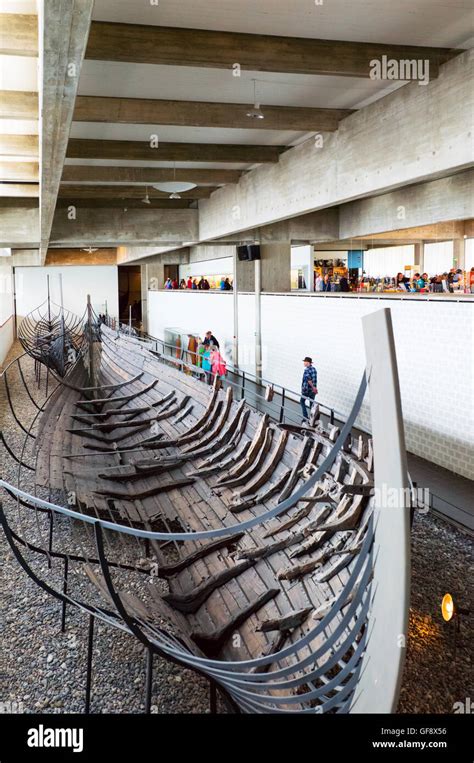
(309, 383)
(218, 365)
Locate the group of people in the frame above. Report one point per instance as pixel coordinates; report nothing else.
(454, 280)
(193, 283)
(206, 354)
(328, 283)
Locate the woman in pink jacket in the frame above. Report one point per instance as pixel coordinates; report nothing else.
(218, 365)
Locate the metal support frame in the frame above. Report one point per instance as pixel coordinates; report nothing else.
(282, 408)
(64, 604)
(213, 697)
(258, 321)
(148, 681)
(90, 645)
(50, 538)
(235, 297)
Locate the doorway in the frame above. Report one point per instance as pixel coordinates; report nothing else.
(130, 294)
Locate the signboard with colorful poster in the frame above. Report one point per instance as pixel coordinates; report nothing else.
(355, 259)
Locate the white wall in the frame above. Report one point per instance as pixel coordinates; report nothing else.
(435, 349)
(220, 266)
(101, 282)
(201, 311)
(388, 261)
(469, 263)
(438, 257)
(6, 311)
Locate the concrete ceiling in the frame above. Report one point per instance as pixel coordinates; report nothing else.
(126, 73)
(408, 22)
(405, 22)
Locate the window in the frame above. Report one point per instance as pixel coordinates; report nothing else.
(438, 257)
(388, 261)
(469, 254)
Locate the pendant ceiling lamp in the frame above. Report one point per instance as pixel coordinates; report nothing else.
(174, 187)
(256, 112)
(146, 200)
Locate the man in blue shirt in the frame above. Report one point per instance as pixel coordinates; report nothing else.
(309, 388)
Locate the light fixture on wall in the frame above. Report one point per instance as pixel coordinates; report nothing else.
(90, 250)
(174, 187)
(256, 112)
(146, 200)
(450, 608)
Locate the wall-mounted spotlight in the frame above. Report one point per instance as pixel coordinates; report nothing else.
(450, 608)
(451, 611)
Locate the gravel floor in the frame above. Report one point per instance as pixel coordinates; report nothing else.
(43, 669)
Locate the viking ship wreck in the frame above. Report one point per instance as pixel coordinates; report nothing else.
(213, 529)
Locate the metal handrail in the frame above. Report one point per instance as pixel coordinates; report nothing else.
(244, 376)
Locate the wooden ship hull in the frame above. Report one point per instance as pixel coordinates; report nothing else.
(224, 539)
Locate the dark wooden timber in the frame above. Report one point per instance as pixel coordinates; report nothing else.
(190, 602)
(286, 622)
(212, 643)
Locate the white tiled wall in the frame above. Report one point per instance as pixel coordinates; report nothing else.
(6, 311)
(100, 281)
(434, 343)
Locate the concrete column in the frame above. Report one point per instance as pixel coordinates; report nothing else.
(276, 267)
(235, 285)
(144, 281)
(420, 257)
(153, 278)
(459, 253)
(258, 319)
(245, 274)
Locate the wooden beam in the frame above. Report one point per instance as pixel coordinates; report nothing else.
(19, 171)
(126, 192)
(124, 203)
(18, 104)
(79, 257)
(18, 34)
(30, 190)
(19, 145)
(80, 148)
(7, 202)
(136, 43)
(93, 174)
(204, 114)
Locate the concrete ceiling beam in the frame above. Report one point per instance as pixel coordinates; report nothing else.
(146, 111)
(114, 227)
(18, 34)
(81, 148)
(137, 43)
(79, 173)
